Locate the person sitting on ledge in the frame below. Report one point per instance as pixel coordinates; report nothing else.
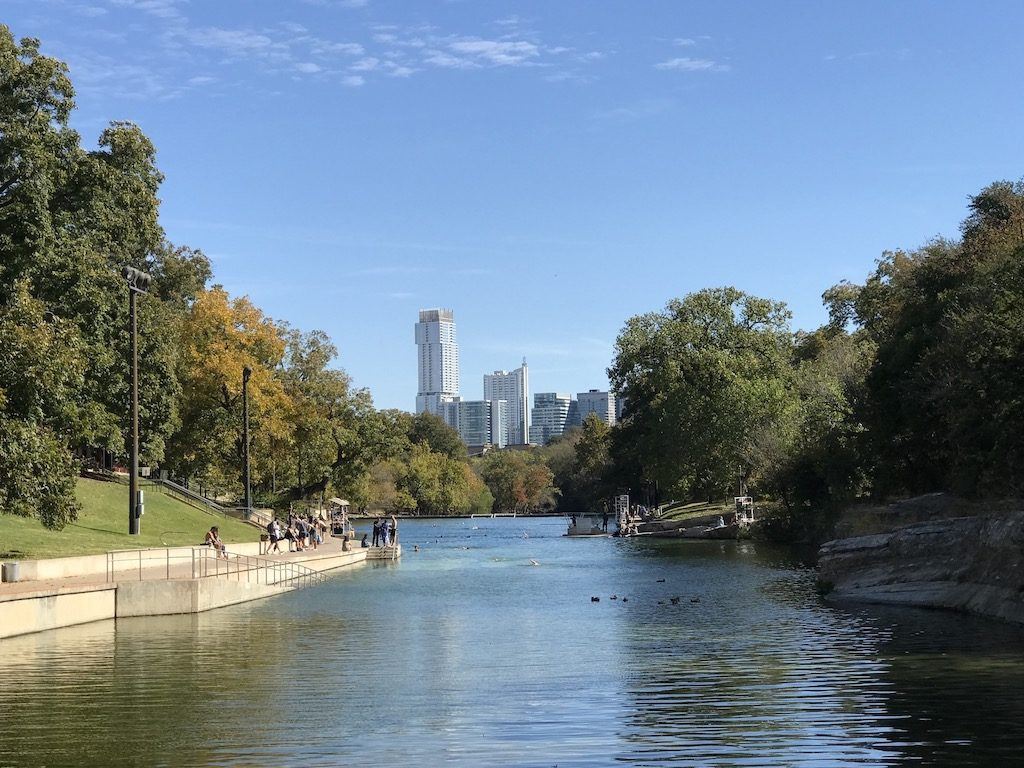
(213, 540)
(364, 543)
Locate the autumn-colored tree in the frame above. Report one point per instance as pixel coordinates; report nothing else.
(221, 337)
(518, 480)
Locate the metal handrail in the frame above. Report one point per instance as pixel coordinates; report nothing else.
(274, 572)
(189, 496)
(157, 563)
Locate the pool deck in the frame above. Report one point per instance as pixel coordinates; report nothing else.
(92, 588)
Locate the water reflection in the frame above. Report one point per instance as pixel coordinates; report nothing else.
(465, 654)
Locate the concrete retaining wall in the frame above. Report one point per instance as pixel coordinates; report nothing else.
(159, 598)
(29, 612)
(33, 612)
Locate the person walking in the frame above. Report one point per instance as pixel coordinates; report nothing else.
(275, 536)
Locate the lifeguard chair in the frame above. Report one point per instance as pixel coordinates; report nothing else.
(744, 510)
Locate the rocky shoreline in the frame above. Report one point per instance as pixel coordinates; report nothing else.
(970, 563)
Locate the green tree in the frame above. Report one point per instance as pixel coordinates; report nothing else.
(41, 366)
(431, 430)
(942, 406)
(704, 379)
(69, 220)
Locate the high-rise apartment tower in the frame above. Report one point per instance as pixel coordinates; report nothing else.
(438, 359)
(550, 417)
(514, 388)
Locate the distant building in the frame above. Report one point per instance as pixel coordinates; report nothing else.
(596, 401)
(573, 420)
(514, 388)
(620, 407)
(550, 416)
(478, 422)
(438, 360)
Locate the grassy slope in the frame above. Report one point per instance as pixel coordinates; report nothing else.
(102, 525)
(699, 509)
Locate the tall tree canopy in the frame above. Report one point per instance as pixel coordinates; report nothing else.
(70, 219)
(943, 405)
(705, 379)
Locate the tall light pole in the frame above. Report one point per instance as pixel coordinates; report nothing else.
(138, 282)
(246, 373)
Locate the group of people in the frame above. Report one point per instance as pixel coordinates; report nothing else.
(385, 532)
(308, 531)
(301, 532)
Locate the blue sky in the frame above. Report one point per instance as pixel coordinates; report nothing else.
(546, 169)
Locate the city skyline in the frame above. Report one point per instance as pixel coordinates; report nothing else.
(503, 416)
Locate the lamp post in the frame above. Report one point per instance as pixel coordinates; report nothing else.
(138, 282)
(246, 373)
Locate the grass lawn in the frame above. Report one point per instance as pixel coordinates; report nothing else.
(102, 526)
(699, 509)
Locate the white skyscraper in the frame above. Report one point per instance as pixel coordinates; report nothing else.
(438, 359)
(514, 388)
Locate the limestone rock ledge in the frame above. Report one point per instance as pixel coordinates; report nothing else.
(973, 564)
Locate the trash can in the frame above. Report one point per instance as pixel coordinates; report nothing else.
(11, 571)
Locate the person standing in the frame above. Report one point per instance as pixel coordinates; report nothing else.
(384, 532)
(376, 532)
(604, 521)
(274, 530)
(394, 530)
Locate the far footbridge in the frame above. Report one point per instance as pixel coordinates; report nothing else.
(62, 592)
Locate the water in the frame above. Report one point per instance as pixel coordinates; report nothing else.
(466, 654)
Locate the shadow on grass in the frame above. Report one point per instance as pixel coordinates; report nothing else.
(97, 530)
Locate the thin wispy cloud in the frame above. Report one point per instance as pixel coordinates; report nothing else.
(688, 64)
(499, 53)
(232, 41)
(164, 9)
